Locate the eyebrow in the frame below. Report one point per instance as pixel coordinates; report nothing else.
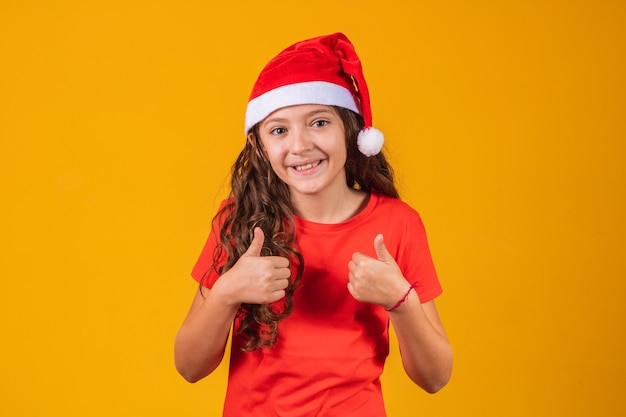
(284, 119)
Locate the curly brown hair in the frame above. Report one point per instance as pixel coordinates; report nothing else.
(258, 198)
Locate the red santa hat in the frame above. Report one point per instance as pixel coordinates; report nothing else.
(324, 70)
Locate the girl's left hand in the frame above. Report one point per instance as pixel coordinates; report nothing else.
(378, 281)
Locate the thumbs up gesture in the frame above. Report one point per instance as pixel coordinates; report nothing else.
(377, 281)
(255, 279)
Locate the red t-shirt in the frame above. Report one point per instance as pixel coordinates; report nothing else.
(330, 351)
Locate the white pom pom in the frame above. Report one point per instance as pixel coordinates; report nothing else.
(370, 141)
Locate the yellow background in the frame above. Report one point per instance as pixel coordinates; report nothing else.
(505, 122)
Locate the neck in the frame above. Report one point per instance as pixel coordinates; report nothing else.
(330, 208)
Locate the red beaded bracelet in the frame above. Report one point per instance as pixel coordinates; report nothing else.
(403, 299)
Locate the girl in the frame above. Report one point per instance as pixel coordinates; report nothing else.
(313, 254)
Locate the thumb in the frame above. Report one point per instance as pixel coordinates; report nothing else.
(381, 250)
(257, 243)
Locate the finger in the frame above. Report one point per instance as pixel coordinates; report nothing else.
(351, 266)
(277, 295)
(279, 261)
(381, 250)
(257, 243)
(358, 257)
(283, 273)
(282, 284)
(351, 289)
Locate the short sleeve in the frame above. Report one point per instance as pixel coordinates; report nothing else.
(205, 271)
(416, 261)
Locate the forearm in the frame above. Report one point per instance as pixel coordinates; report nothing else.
(201, 340)
(426, 353)
(254, 279)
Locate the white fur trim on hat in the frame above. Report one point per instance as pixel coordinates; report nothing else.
(313, 92)
(370, 141)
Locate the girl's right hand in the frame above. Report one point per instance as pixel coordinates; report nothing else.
(254, 279)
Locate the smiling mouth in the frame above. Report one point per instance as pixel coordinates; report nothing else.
(307, 166)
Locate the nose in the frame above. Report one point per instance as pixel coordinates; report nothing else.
(300, 142)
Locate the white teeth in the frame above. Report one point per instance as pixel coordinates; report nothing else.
(307, 166)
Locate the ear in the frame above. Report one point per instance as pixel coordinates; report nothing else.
(256, 144)
(251, 139)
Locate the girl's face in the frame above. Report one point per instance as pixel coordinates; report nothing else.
(306, 148)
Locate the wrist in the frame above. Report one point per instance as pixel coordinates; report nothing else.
(221, 294)
(402, 300)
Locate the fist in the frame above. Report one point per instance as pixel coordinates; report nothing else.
(256, 279)
(376, 280)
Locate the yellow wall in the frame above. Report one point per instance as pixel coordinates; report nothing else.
(506, 124)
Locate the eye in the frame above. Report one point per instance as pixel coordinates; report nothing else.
(278, 131)
(320, 123)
